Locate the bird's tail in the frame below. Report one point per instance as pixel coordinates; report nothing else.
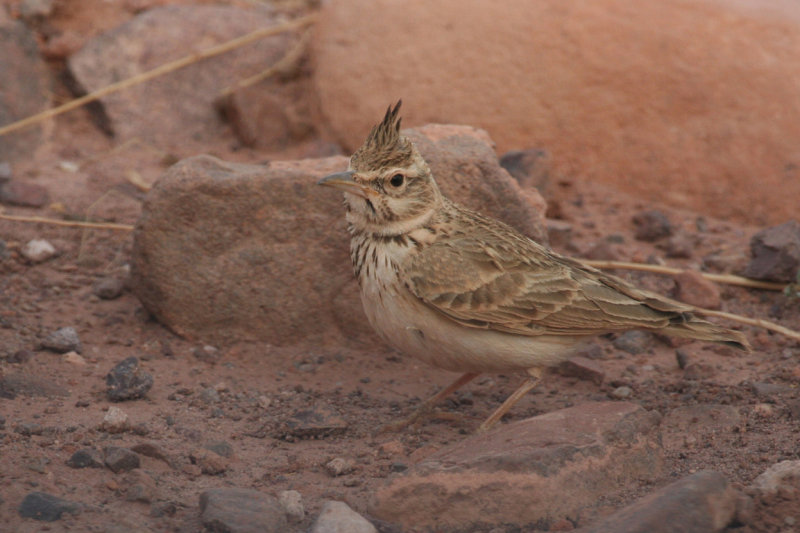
(699, 329)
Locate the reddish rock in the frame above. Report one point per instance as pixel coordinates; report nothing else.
(652, 225)
(25, 89)
(540, 469)
(241, 511)
(583, 368)
(694, 289)
(23, 194)
(231, 251)
(776, 253)
(702, 113)
(701, 503)
(531, 168)
(176, 110)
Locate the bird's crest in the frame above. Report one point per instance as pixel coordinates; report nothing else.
(384, 147)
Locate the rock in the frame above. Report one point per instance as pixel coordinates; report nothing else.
(232, 510)
(679, 246)
(5, 171)
(115, 420)
(701, 503)
(46, 507)
(583, 368)
(769, 390)
(696, 420)
(699, 371)
(23, 194)
(622, 392)
(38, 251)
(531, 168)
(209, 462)
(86, 458)
(694, 289)
(127, 381)
(27, 90)
(652, 225)
(150, 449)
(780, 476)
(120, 459)
(207, 353)
(340, 466)
(536, 470)
(611, 102)
(193, 258)
(20, 356)
(291, 502)
(63, 340)
(74, 358)
(338, 517)
(318, 421)
(220, 447)
(633, 342)
(12, 385)
(140, 487)
(775, 253)
(108, 288)
(175, 112)
(682, 357)
(602, 251)
(559, 233)
(32, 10)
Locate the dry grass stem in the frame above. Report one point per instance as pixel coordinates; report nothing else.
(758, 322)
(68, 223)
(160, 71)
(729, 279)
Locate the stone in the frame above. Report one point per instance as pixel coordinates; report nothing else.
(63, 340)
(780, 476)
(209, 462)
(699, 371)
(108, 288)
(703, 502)
(119, 459)
(623, 392)
(151, 449)
(38, 250)
(46, 507)
(115, 420)
(775, 254)
(127, 381)
(233, 510)
(338, 517)
(140, 487)
(633, 342)
(27, 89)
(608, 97)
(583, 368)
(652, 225)
(537, 470)
(207, 353)
(679, 246)
(194, 259)
(74, 358)
(339, 466)
(291, 502)
(531, 168)
(693, 289)
(559, 233)
(86, 458)
(317, 421)
(176, 111)
(23, 194)
(220, 447)
(35, 9)
(12, 385)
(5, 171)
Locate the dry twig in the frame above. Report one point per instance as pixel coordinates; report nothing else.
(68, 223)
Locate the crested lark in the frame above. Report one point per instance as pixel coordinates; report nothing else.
(464, 292)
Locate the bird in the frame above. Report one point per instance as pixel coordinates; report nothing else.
(467, 293)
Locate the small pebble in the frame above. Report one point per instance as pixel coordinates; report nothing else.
(292, 503)
(120, 459)
(652, 225)
(108, 288)
(74, 358)
(38, 250)
(682, 357)
(5, 171)
(633, 342)
(115, 420)
(63, 340)
(621, 393)
(86, 458)
(339, 466)
(127, 381)
(207, 353)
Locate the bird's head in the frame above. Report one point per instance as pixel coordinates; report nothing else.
(388, 186)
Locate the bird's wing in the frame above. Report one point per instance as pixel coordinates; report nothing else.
(519, 287)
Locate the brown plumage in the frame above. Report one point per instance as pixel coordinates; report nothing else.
(468, 293)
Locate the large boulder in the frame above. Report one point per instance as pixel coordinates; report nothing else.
(689, 102)
(226, 251)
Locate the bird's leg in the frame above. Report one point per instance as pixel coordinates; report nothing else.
(428, 404)
(534, 377)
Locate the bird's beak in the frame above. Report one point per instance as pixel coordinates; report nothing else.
(344, 181)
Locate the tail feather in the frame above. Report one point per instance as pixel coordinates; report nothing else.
(695, 328)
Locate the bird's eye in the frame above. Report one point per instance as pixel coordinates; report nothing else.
(397, 180)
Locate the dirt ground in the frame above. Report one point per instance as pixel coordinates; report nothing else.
(243, 396)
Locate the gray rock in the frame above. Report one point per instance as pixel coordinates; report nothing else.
(776, 253)
(701, 503)
(633, 342)
(27, 89)
(120, 459)
(622, 392)
(284, 274)
(23, 194)
(108, 288)
(541, 469)
(220, 447)
(339, 466)
(317, 421)
(26, 385)
(139, 487)
(63, 340)
(232, 510)
(46, 507)
(291, 502)
(38, 250)
(176, 111)
(783, 475)
(338, 517)
(531, 168)
(127, 381)
(583, 368)
(86, 458)
(652, 225)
